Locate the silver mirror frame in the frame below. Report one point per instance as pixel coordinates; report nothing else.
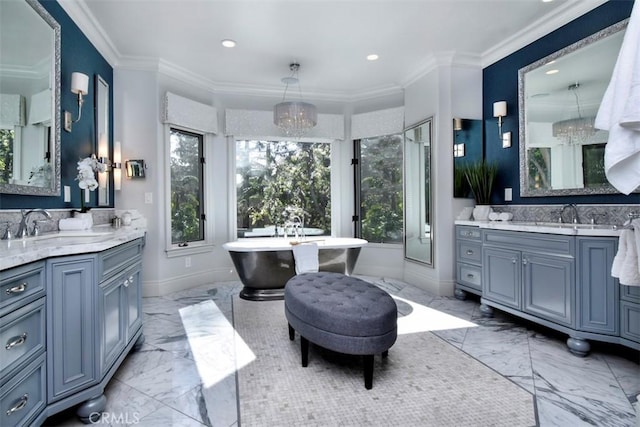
(525, 191)
(54, 190)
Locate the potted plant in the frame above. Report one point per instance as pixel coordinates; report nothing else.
(480, 176)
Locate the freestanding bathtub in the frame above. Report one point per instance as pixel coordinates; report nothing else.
(266, 264)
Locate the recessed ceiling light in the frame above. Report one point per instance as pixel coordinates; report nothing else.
(372, 57)
(554, 71)
(547, 1)
(228, 43)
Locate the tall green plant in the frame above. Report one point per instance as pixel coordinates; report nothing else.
(481, 176)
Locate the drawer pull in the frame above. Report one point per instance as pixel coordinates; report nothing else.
(469, 233)
(17, 289)
(513, 261)
(470, 276)
(469, 252)
(126, 283)
(525, 262)
(16, 341)
(21, 404)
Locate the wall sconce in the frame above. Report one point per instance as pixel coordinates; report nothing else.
(79, 86)
(500, 111)
(117, 166)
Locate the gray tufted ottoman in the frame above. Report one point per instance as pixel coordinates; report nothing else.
(341, 313)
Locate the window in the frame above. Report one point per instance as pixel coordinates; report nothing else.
(187, 191)
(7, 137)
(378, 180)
(278, 180)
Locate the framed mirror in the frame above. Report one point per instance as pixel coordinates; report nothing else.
(418, 232)
(467, 150)
(102, 137)
(561, 153)
(29, 99)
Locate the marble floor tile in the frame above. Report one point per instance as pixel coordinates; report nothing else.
(184, 374)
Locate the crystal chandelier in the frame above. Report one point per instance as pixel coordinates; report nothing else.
(294, 118)
(574, 131)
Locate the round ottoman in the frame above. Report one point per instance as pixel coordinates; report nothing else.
(341, 313)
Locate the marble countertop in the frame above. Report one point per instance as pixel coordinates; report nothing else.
(547, 227)
(99, 238)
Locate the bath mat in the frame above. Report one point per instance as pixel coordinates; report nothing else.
(423, 382)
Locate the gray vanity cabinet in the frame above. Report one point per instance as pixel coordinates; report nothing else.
(71, 325)
(598, 291)
(529, 272)
(630, 314)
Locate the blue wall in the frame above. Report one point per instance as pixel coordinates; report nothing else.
(500, 83)
(77, 54)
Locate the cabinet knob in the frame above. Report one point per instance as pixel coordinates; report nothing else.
(513, 260)
(470, 276)
(17, 289)
(16, 341)
(524, 261)
(468, 233)
(22, 402)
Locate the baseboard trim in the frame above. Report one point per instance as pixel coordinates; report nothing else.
(167, 286)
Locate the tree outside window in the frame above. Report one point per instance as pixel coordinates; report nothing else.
(278, 179)
(187, 195)
(380, 188)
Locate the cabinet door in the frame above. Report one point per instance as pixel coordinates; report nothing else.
(501, 276)
(598, 292)
(111, 321)
(133, 288)
(70, 325)
(548, 287)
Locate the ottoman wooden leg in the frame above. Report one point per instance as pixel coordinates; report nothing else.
(368, 371)
(292, 333)
(304, 349)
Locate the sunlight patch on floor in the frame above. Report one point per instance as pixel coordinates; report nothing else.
(423, 319)
(217, 348)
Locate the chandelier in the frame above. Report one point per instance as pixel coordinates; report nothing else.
(574, 131)
(294, 118)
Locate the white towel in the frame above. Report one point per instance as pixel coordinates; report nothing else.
(626, 264)
(619, 112)
(73, 224)
(306, 258)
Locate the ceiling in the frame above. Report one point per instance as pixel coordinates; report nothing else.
(329, 38)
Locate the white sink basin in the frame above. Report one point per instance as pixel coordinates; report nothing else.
(72, 237)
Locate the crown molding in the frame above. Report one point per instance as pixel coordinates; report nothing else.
(84, 19)
(560, 16)
(565, 13)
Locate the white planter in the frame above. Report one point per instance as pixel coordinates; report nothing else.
(86, 217)
(481, 212)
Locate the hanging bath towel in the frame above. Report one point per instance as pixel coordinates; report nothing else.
(306, 258)
(619, 112)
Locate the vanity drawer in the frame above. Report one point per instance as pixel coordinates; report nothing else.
(20, 285)
(23, 398)
(117, 259)
(470, 252)
(469, 233)
(22, 336)
(470, 275)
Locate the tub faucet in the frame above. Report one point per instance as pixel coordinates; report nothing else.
(23, 228)
(574, 212)
(298, 226)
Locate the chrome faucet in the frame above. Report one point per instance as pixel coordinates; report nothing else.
(298, 226)
(574, 209)
(23, 228)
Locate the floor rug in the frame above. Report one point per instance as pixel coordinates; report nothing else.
(423, 382)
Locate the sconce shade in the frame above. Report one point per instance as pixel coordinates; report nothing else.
(457, 123)
(117, 165)
(79, 83)
(500, 109)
